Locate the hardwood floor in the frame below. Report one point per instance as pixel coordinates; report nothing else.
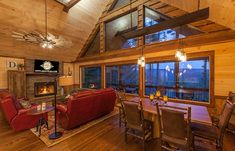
(106, 136)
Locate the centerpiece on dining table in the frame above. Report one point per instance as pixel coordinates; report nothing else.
(151, 98)
(158, 94)
(165, 99)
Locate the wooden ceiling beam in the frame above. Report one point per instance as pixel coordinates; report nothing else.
(70, 5)
(171, 23)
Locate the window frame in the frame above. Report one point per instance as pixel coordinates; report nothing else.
(190, 56)
(91, 66)
(165, 58)
(123, 64)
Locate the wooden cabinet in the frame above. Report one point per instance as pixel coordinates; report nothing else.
(17, 83)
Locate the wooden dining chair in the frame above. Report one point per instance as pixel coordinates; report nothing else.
(231, 125)
(215, 132)
(121, 96)
(175, 127)
(136, 125)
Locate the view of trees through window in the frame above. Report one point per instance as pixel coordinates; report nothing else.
(180, 80)
(123, 77)
(91, 77)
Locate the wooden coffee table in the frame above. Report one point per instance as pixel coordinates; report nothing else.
(42, 120)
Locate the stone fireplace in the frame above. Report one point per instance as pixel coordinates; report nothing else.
(44, 89)
(40, 86)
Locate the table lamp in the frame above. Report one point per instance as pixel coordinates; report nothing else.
(65, 82)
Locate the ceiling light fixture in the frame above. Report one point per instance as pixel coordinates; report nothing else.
(141, 59)
(180, 54)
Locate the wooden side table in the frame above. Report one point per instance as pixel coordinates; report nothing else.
(42, 120)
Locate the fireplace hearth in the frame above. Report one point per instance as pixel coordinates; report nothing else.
(44, 89)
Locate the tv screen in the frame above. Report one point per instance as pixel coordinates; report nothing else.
(46, 66)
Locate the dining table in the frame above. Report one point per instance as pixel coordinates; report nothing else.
(199, 114)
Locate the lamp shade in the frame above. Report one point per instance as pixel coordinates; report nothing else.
(65, 80)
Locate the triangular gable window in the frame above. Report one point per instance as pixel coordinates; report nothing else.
(94, 46)
(120, 3)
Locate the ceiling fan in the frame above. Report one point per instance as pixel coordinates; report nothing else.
(38, 38)
(47, 40)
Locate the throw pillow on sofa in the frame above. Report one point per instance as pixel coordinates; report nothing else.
(25, 104)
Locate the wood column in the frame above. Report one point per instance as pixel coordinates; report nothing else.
(102, 37)
(141, 81)
(103, 76)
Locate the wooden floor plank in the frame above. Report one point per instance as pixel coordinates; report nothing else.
(105, 136)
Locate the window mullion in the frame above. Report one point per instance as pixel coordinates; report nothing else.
(177, 79)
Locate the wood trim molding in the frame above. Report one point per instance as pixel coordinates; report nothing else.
(70, 5)
(220, 97)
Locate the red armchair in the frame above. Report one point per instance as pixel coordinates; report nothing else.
(15, 115)
(85, 106)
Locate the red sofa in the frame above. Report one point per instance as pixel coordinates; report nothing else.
(85, 106)
(15, 115)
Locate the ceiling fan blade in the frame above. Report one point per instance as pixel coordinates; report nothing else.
(20, 39)
(17, 36)
(16, 33)
(51, 36)
(38, 34)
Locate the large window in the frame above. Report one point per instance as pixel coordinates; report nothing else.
(179, 80)
(91, 77)
(123, 76)
(122, 23)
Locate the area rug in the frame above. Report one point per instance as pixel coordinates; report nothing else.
(67, 133)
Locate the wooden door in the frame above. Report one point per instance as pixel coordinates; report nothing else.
(17, 83)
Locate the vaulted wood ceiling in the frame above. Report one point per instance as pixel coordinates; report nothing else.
(78, 23)
(28, 15)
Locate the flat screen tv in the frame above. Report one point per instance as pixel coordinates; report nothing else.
(46, 66)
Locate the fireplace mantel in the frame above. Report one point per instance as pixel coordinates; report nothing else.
(42, 74)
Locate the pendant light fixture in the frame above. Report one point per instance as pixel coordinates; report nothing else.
(180, 54)
(46, 42)
(141, 59)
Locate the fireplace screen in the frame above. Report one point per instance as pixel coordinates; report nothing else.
(44, 89)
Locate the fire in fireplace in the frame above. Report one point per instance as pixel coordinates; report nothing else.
(44, 89)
